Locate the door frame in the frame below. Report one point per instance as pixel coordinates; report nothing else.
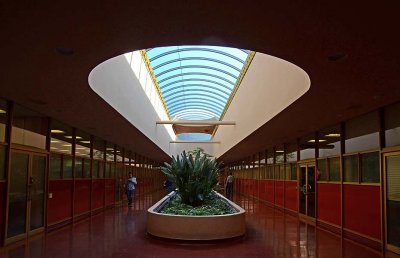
(30, 151)
(389, 247)
(306, 163)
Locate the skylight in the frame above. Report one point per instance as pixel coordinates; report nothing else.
(196, 81)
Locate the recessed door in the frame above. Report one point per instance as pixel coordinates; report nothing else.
(392, 201)
(307, 189)
(25, 213)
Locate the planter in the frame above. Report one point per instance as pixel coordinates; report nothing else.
(195, 227)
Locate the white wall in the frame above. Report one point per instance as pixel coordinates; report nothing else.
(270, 85)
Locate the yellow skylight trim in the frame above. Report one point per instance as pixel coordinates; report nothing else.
(146, 60)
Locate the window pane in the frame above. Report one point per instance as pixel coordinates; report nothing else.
(393, 199)
(78, 167)
(351, 168)
(334, 169)
(322, 169)
(61, 138)
(55, 166)
(67, 167)
(293, 172)
(362, 133)
(86, 168)
(101, 169)
(287, 171)
(2, 161)
(370, 167)
(29, 128)
(3, 120)
(95, 169)
(392, 125)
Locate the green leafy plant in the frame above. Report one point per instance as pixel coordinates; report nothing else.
(212, 205)
(193, 176)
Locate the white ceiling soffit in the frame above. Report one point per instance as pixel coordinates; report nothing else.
(270, 85)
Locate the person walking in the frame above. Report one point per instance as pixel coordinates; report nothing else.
(130, 188)
(229, 186)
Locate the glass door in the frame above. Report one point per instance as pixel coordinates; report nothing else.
(307, 189)
(25, 213)
(392, 201)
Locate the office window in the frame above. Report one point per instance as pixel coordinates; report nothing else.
(61, 138)
(370, 167)
(362, 133)
(78, 167)
(67, 167)
(350, 167)
(87, 168)
(82, 144)
(101, 169)
(287, 172)
(95, 169)
(334, 169)
(323, 170)
(55, 166)
(392, 125)
(2, 162)
(3, 120)
(329, 141)
(293, 171)
(29, 128)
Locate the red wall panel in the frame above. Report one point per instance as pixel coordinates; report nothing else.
(329, 202)
(110, 191)
(291, 195)
(270, 191)
(362, 209)
(82, 196)
(279, 193)
(263, 190)
(97, 193)
(2, 207)
(60, 206)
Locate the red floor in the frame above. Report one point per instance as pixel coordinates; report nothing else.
(121, 233)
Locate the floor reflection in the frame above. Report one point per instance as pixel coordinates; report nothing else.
(121, 232)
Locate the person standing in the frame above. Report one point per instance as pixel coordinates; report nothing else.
(130, 188)
(229, 186)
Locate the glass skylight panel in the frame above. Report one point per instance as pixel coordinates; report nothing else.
(196, 81)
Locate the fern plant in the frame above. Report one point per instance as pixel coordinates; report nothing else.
(193, 176)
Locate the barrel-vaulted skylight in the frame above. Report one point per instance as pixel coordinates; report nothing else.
(196, 82)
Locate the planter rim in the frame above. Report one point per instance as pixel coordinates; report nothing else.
(239, 210)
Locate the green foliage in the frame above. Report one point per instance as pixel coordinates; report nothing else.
(197, 150)
(194, 176)
(212, 205)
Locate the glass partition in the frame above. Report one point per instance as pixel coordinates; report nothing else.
(29, 128)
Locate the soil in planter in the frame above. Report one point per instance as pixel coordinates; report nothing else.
(212, 205)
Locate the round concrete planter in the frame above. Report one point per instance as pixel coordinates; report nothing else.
(195, 227)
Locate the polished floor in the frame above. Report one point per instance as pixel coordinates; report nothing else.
(121, 232)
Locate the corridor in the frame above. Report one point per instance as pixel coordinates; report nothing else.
(121, 232)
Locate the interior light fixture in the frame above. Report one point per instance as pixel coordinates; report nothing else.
(65, 150)
(57, 131)
(54, 141)
(322, 140)
(85, 141)
(70, 137)
(2, 111)
(333, 135)
(80, 148)
(279, 151)
(54, 148)
(66, 145)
